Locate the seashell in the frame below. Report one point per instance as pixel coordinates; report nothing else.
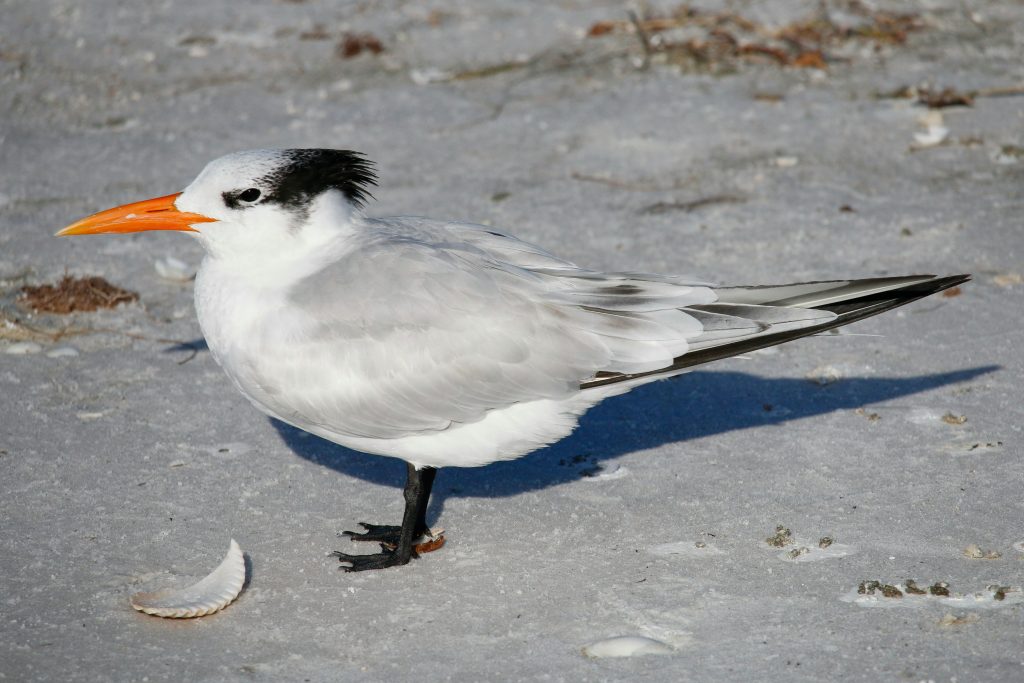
(23, 348)
(935, 133)
(62, 352)
(627, 646)
(430, 75)
(211, 594)
(171, 268)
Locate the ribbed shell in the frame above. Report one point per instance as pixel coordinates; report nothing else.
(211, 594)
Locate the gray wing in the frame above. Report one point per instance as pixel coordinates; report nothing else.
(427, 325)
(417, 330)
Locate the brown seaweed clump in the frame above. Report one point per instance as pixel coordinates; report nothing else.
(73, 295)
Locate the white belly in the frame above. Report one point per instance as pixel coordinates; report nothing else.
(260, 341)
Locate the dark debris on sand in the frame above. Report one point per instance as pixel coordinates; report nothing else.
(73, 295)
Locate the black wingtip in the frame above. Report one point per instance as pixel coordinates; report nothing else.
(859, 307)
(847, 311)
(951, 281)
(936, 284)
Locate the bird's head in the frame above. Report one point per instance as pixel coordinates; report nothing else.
(267, 200)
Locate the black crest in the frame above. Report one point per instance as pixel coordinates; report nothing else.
(308, 172)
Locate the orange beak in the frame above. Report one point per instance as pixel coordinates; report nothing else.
(151, 214)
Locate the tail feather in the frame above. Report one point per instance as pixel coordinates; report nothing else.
(846, 300)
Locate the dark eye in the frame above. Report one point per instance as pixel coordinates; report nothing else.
(250, 195)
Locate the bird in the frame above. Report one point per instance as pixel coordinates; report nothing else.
(443, 343)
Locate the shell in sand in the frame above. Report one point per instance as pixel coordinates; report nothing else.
(211, 594)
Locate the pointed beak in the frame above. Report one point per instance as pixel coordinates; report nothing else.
(151, 214)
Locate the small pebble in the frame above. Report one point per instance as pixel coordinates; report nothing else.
(891, 591)
(429, 75)
(781, 538)
(958, 620)
(1008, 154)
(1008, 279)
(605, 473)
(825, 374)
(974, 552)
(62, 352)
(23, 348)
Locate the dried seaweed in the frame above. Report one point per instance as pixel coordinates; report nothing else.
(947, 97)
(72, 295)
(717, 41)
(354, 44)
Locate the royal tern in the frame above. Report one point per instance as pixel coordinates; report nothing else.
(443, 343)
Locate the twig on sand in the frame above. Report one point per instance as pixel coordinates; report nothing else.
(645, 40)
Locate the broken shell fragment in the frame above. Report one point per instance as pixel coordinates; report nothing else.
(935, 133)
(626, 646)
(171, 268)
(211, 594)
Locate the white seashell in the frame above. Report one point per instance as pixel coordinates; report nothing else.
(607, 473)
(211, 594)
(171, 268)
(62, 352)
(933, 136)
(627, 646)
(825, 374)
(429, 75)
(23, 348)
(936, 132)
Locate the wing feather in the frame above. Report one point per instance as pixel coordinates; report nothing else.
(429, 325)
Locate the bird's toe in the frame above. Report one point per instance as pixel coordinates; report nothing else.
(360, 563)
(380, 533)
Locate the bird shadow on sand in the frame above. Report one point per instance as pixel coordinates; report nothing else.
(687, 407)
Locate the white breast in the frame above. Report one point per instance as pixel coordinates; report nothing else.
(245, 327)
(257, 338)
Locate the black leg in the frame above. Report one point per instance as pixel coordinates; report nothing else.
(396, 542)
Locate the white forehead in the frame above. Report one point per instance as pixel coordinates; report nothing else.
(235, 170)
(238, 171)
